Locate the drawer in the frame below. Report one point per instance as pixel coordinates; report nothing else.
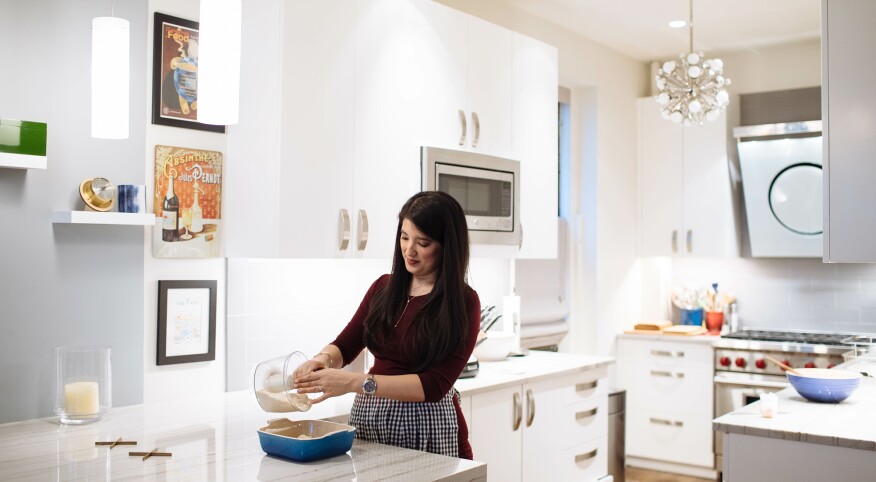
(685, 389)
(671, 437)
(667, 354)
(585, 462)
(588, 420)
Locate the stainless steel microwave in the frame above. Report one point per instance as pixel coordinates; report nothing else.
(487, 188)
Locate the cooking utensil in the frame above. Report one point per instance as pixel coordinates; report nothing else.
(306, 440)
(784, 367)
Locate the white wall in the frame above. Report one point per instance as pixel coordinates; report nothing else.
(189, 379)
(605, 85)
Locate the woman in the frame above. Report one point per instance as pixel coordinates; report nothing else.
(420, 323)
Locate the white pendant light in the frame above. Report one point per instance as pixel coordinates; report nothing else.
(219, 62)
(110, 39)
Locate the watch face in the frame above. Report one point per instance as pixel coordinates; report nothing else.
(369, 386)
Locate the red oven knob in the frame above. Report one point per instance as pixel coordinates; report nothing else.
(786, 362)
(740, 362)
(831, 365)
(809, 365)
(725, 361)
(760, 364)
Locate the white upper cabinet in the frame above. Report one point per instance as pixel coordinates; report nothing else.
(335, 108)
(685, 200)
(848, 112)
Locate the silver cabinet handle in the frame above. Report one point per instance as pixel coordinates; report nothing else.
(586, 414)
(463, 124)
(582, 457)
(362, 230)
(518, 412)
(477, 128)
(663, 421)
(343, 230)
(674, 354)
(689, 241)
(530, 408)
(658, 373)
(520, 243)
(674, 240)
(586, 386)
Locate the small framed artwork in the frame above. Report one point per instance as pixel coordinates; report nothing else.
(175, 74)
(186, 321)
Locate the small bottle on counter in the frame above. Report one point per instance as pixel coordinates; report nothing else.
(733, 317)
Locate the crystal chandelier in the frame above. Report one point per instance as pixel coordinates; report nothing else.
(692, 88)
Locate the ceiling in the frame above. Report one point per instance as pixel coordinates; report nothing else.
(639, 28)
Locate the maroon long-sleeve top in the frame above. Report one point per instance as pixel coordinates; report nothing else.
(397, 356)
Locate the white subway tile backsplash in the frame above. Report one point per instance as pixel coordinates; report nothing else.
(794, 294)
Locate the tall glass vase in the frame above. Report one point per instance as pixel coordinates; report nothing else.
(83, 383)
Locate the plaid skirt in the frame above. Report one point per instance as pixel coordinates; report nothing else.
(425, 426)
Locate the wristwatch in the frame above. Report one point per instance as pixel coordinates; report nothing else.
(369, 386)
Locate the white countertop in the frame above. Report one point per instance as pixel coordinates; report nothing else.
(213, 438)
(707, 339)
(848, 424)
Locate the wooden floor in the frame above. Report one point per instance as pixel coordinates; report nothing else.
(633, 474)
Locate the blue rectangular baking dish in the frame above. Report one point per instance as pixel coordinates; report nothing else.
(325, 439)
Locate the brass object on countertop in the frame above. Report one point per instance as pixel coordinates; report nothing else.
(153, 452)
(119, 441)
(97, 193)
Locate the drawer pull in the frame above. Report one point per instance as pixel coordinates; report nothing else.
(580, 387)
(663, 421)
(582, 457)
(586, 414)
(530, 408)
(671, 354)
(660, 373)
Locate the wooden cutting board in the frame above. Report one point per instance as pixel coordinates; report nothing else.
(675, 330)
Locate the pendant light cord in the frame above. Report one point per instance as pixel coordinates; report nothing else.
(691, 26)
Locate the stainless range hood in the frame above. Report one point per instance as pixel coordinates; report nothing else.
(782, 184)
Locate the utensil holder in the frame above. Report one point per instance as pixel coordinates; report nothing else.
(714, 321)
(83, 383)
(692, 317)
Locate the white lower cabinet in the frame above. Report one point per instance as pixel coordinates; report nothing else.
(551, 429)
(670, 400)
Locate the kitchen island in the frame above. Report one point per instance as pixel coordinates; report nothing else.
(211, 438)
(805, 440)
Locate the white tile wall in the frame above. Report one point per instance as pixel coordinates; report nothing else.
(276, 306)
(799, 294)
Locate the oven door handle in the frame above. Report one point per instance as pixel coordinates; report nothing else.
(750, 383)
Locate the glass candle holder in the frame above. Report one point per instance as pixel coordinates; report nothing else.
(83, 383)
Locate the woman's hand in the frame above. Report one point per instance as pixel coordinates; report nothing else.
(329, 381)
(308, 367)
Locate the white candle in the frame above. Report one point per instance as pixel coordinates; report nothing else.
(81, 398)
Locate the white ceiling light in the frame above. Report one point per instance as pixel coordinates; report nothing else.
(110, 39)
(219, 62)
(677, 24)
(693, 88)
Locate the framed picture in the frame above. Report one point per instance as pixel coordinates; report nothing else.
(186, 321)
(175, 74)
(187, 203)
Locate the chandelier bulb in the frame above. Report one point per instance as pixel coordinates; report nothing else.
(694, 71)
(668, 67)
(693, 58)
(695, 106)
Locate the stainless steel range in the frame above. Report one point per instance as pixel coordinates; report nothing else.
(742, 372)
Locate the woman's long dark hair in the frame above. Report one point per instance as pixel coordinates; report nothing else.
(442, 324)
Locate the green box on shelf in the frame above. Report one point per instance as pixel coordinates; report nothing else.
(23, 137)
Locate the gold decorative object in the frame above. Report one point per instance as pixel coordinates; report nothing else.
(98, 194)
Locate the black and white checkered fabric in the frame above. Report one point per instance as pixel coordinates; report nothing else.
(425, 426)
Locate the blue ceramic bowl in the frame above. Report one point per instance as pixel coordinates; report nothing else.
(306, 440)
(823, 385)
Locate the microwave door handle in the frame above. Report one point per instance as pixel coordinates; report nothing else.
(463, 124)
(477, 128)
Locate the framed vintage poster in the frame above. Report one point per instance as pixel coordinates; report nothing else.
(175, 74)
(187, 203)
(186, 321)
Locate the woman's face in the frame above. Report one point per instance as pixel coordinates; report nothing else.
(422, 254)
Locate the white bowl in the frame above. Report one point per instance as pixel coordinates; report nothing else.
(496, 347)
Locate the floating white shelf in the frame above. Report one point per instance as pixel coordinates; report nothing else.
(95, 217)
(22, 161)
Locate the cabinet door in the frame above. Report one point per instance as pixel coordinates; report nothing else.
(497, 419)
(849, 110)
(251, 190)
(316, 144)
(390, 86)
(490, 53)
(661, 182)
(535, 144)
(709, 226)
